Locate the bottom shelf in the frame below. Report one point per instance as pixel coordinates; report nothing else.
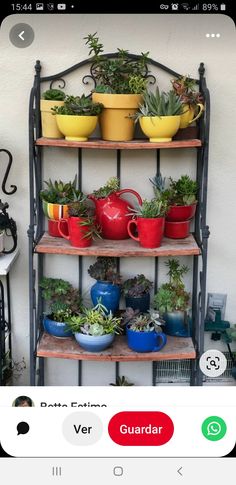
(177, 348)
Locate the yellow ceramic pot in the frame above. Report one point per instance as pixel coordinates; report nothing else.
(188, 115)
(114, 120)
(76, 128)
(48, 119)
(159, 128)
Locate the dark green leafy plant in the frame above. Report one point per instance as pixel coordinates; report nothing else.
(137, 286)
(185, 88)
(121, 381)
(78, 106)
(94, 321)
(151, 209)
(119, 75)
(105, 269)
(172, 296)
(112, 185)
(58, 192)
(159, 104)
(64, 300)
(54, 95)
(180, 192)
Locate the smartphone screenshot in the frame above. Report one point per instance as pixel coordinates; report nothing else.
(117, 254)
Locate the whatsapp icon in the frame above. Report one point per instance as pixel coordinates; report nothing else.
(214, 428)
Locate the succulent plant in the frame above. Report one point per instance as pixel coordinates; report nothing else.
(54, 95)
(159, 104)
(121, 381)
(105, 269)
(79, 106)
(112, 185)
(185, 88)
(183, 191)
(172, 296)
(121, 74)
(137, 286)
(64, 300)
(146, 322)
(151, 208)
(58, 192)
(94, 321)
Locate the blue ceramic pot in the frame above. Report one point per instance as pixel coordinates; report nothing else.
(94, 343)
(177, 324)
(108, 294)
(57, 329)
(141, 303)
(145, 341)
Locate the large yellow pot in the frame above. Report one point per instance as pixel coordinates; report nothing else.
(48, 119)
(159, 128)
(114, 120)
(76, 128)
(188, 115)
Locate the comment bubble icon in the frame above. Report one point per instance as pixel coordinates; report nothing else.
(22, 428)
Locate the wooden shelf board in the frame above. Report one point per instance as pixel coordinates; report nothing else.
(177, 348)
(123, 248)
(114, 145)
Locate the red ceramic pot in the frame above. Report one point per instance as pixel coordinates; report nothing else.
(53, 228)
(150, 231)
(76, 233)
(178, 213)
(112, 214)
(177, 230)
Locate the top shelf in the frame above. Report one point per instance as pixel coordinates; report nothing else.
(97, 144)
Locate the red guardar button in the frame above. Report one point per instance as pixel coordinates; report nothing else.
(141, 428)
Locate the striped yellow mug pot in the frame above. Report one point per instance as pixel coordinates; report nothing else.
(55, 211)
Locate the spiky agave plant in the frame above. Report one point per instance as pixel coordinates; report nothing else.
(159, 104)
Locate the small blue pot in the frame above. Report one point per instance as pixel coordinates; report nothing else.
(145, 341)
(94, 343)
(107, 293)
(177, 324)
(141, 303)
(57, 329)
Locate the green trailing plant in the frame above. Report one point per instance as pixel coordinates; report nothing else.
(64, 301)
(137, 286)
(185, 87)
(172, 296)
(151, 208)
(121, 381)
(82, 210)
(54, 95)
(159, 104)
(120, 74)
(105, 269)
(112, 185)
(78, 106)
(58, 192)
(180, 192)
(94, 321)
(10, 368)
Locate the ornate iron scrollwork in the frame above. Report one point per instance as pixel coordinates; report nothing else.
(14, 187)
(61, 83)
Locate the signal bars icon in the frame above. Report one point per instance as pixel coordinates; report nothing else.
(196, 7)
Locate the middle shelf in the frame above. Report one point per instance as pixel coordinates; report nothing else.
(120, 248)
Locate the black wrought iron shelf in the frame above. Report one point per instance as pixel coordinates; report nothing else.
(95, 144)
(40, 243)
(122, 248)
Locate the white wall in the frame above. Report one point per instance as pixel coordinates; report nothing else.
(177, 41)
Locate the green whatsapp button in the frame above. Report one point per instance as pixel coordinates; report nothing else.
(214, 428)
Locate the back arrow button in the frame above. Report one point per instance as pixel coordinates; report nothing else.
(179, 471)
(21, 35)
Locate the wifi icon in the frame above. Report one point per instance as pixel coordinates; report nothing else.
(185, 6)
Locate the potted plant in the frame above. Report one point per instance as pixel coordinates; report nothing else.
(137, 292)
(159, 115)
(81, 227)
(94, 328)
(107, 288)
(56, 197)
(181, 196)
(10, 369)
(150, 222)
(193, 100)
(144, 333)
(121, 381)
(78, 118)
(64, 302)
(112, 212)
(172, 300)
(50, 99)
(119, 84)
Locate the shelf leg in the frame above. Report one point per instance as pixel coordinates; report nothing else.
(80, 373)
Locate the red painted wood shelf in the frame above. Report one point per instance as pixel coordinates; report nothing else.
(116, 145)
(177, 348)
(124, 248)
